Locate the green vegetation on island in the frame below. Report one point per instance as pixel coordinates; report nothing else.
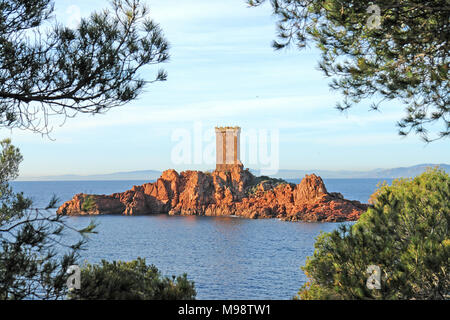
(264, 183)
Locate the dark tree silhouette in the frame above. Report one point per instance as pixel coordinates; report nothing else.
(400, 52)
(59, 71)
(88, 69)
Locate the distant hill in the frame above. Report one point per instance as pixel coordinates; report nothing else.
(405, 172)
(286, 174)
(129, 175)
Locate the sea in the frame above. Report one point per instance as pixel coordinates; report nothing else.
(226, 257)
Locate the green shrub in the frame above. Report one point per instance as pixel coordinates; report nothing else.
(132, 280)
(405, 233)
(88, 204)
(271, 183)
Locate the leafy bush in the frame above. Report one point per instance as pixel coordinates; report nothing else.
(268, 182)
(132, 280)
(405, 233)
(88, 204)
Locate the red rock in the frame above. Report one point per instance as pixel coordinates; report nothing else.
(223, 193)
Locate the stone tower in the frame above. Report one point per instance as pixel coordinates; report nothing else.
(227, 148)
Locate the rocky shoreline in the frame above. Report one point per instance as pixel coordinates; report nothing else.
(235, 192)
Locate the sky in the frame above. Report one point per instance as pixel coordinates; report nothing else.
(223, 72)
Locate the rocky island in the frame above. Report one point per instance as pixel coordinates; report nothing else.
(230, 191)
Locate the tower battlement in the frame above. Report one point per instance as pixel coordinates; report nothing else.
(227, 148)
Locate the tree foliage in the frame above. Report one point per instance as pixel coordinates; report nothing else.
(49, 69)
(32, 242)
(134, 280)
(59, 70)
(405, 57)
(405, 233)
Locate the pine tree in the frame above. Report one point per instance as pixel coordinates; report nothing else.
(63, 71)
(31, 240)
(60, 71)
(405, 233)
(381, 49)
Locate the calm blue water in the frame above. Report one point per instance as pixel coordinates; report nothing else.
(228, 258)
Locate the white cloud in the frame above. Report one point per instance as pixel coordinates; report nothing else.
(207, 110)
(73, 16)
(359, 139)
(341, 120)
(194, 10)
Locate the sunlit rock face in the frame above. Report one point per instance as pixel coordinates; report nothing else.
(234, 191)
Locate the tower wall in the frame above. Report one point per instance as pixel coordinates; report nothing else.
(227, 147)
